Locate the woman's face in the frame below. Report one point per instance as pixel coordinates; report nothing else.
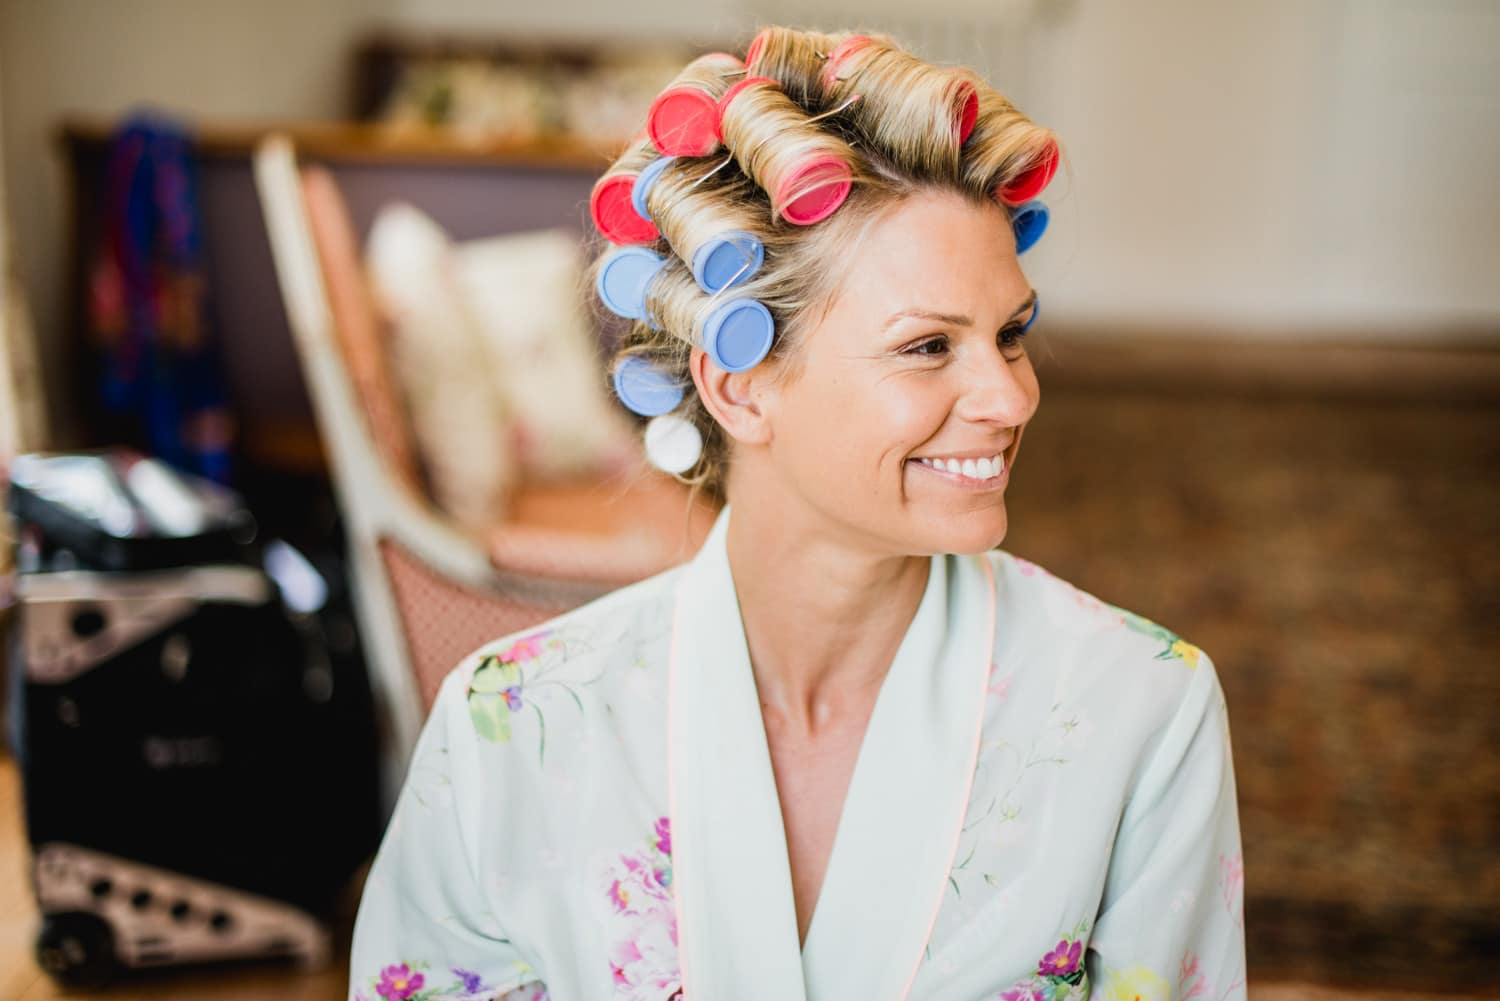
(918, 366)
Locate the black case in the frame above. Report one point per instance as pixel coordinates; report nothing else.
(194, 734)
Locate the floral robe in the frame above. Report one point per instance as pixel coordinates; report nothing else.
(1043, 808)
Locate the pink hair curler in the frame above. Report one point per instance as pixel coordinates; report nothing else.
(684, 121)
(614, 214)
(968, 111)
(736, 88)
(1033, 180)
(829, 181)
(756, 44)
(840, 52)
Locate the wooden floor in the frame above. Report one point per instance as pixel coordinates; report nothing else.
(22, 980)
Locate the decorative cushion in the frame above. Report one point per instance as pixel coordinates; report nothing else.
(458, 418)
(524, 294)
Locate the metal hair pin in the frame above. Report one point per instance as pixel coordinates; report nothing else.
(733, 278)
(814, 118)
(834, 111)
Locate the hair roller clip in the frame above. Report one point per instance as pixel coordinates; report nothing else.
(968, 110)
(757, 44)
(1028, 222)
(1036, 310)
(824, 183)
(646, 389)
(1033, 180)
(673, 444)
(737, 88)
(623, 279)
(684, 118)
(643, 184)
(737, 335)
(613, 212)
(684, 121)
(727, 259)
(805, 185)
(840, 52)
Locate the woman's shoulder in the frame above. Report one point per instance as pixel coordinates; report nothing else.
(526, 687)
(1092, 647)
(589, 633)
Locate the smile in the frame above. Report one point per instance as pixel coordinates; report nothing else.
(986, 470)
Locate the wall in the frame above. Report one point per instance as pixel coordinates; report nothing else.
(1284, 166)
(199, 58)
(1277, 167)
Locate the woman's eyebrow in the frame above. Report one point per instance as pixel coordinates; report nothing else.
(951, 319)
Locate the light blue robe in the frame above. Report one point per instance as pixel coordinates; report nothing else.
(1043, 808)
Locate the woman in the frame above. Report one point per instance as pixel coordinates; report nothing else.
(851, 750)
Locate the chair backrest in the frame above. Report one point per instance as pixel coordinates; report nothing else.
(375, 504)
(357, 328)
(425, 593)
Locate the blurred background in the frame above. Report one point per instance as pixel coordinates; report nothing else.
(1270, 366)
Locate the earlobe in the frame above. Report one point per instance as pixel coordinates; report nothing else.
(734, 399)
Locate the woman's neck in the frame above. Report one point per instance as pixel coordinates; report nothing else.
(823, 617)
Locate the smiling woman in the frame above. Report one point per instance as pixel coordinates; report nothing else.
(852, 749)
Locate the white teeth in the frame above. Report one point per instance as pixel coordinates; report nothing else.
(974, 469)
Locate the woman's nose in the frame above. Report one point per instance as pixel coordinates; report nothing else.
(999, 390)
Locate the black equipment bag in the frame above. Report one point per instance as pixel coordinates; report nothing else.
(192, 722)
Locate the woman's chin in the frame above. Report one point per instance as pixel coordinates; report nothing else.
(971, 534)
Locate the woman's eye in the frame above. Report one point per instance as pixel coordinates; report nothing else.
(934, 346)
(1011, 337)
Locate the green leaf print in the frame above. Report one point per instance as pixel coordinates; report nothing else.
(1173, 646)
(491, 717)
(494, 676)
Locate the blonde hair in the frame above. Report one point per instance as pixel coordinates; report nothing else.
(889, 125)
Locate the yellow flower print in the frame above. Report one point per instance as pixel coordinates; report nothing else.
(1172, 644)
(1135, 984)
(1186, 652)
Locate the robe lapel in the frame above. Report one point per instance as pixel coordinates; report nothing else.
(905, 808)
(737, 921)
(897, 835)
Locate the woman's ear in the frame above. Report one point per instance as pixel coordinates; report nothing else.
(735, 399)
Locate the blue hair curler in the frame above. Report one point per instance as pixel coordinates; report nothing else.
(646, 389)
(731, 258)
(644, 182)
(1028, 222)
(623, 279)
(738, 334)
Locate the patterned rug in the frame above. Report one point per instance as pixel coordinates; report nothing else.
(1339, 558)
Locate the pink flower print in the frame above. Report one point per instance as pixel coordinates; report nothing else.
(619, 895)
(642, 919)
(1000, 687)
(1232, 881)
(525, 648)
(398, 982)
(1062, 960)
(644, 964)
(1034, 989)
(664, 835)
(1190, 983)
(639, 886)
(623, 956)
